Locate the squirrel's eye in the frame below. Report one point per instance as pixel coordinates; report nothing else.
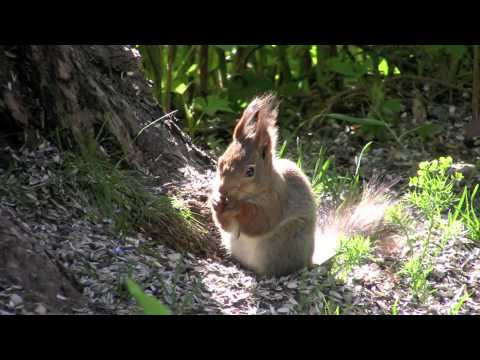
(250, 171)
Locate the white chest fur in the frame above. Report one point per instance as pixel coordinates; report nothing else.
(244, 248)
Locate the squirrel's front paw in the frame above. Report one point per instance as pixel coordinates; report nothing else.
(231, 208)
(224, 205)
(218, 202)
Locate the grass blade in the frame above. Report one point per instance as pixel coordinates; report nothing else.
(150, 305)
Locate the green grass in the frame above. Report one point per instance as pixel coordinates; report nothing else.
(314, 301)
(418, 268)
(108, 192)
(118, 195)
(395, 307)
(398, 216)
(330, 308)
(324, 177)
(470, 216)
(352, 251)
(457, 305)
(149, 304)
(180, 302)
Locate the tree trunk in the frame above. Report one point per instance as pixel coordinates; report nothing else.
(222, 67)
(79, 89)
(172, 49)
(473, 128)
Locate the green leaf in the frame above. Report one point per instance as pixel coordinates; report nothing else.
(391, 107)
(361, 156)
(288, 89)
(359, 121)
(383, 67)
(213, 104)
(434, 49)
(150, 305)
(342, 67)
(456, 51)
(428, 130)
(192, 69)
(180, 89)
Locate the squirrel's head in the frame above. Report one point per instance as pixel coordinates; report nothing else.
(245, 168)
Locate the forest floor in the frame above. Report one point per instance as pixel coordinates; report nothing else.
(95, 260)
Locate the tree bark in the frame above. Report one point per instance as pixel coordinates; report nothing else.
(77, 90)
(473, 128)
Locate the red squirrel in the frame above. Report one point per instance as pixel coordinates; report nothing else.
(264, 206)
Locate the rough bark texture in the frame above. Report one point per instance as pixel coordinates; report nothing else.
(79, 88)
(473, 129)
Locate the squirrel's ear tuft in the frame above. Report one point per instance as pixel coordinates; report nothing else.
(266, 129)
(259, 122)
(247, 124)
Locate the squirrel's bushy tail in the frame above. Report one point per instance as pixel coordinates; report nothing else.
(364, 217)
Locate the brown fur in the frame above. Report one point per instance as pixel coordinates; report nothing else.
(267, 221)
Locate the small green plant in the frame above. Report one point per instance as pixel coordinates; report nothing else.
(300, 154)
(432, 192)
(352, 251)
(314, 301)
(386, 110)
(369, 125)
(330, 308)
(395, 307)
(432, 188)
(382, 109)
(320, 179)
(323, 175)
(212, 105)
(310, 304)
(354, 189)
(149, 304)
(449, 229)
(283, 149)
(111, 193)
(310, 300)
(397, 216)
(418, 268)
(201, 108)
(420, 265)
(471, 216)
(171, 289)
(457, 305)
